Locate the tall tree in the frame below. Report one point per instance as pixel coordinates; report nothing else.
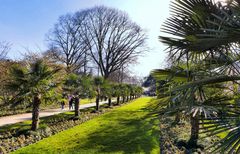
(67, 44)
(111, 37)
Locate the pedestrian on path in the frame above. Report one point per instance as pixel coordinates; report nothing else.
(62, 104)
(71, 103)
(63, 101)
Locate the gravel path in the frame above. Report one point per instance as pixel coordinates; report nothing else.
(27, 116)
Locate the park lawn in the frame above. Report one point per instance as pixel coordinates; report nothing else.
(87, 101)
(128, 129)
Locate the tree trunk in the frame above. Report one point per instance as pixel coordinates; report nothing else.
(85, 64)
(105, 75)
(97, 102)
(77, 103)
(35, 112)
(127, 98)
(177, 118)
(118, 100)
(109, 101)
(123, 99)
(194, 131)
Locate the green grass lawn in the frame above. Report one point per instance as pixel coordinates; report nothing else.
(87, 101)
(128, 129)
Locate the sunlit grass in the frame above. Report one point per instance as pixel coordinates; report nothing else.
(87, 101)
(128, 129)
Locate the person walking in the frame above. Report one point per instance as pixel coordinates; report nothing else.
(71, 101)
(63, 101)
(62, 104)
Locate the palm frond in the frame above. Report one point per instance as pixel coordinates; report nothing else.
(207, 81)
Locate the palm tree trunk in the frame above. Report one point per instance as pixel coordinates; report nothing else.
(97, 102)
(77, 103)
(177, 118)
(194, 131)
(118, 100)
(109, 101)
(35, 112)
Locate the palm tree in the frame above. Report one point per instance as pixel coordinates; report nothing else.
(132, 91)
(33, 81)
(128, 91)
(123, 91)
(207, 33)
(72, 82)
(107, 91)
(80, 87)
(117, 92)
(139, 91)
(98, 82)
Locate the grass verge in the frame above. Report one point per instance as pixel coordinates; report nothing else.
(128, 129)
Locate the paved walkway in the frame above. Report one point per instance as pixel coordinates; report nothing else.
(28, 116)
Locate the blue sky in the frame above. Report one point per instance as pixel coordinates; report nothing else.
(25, 23)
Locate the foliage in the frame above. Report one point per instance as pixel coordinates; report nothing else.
(203, 38)
(81, 85)
(149, 81)
(116, 90)
(107, 89)
(33, 79)
(31, 83)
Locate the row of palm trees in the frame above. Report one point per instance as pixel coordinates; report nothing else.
(37, 80)
(89, 87)
(202, 79)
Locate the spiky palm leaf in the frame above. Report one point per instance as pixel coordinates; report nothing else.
(207, 33)
(35, 79)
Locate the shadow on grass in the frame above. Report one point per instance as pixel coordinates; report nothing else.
(125, 132)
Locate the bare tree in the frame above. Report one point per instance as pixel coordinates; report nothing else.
(4, 49)
(4, 64)
(66, 43)
(112, 39)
